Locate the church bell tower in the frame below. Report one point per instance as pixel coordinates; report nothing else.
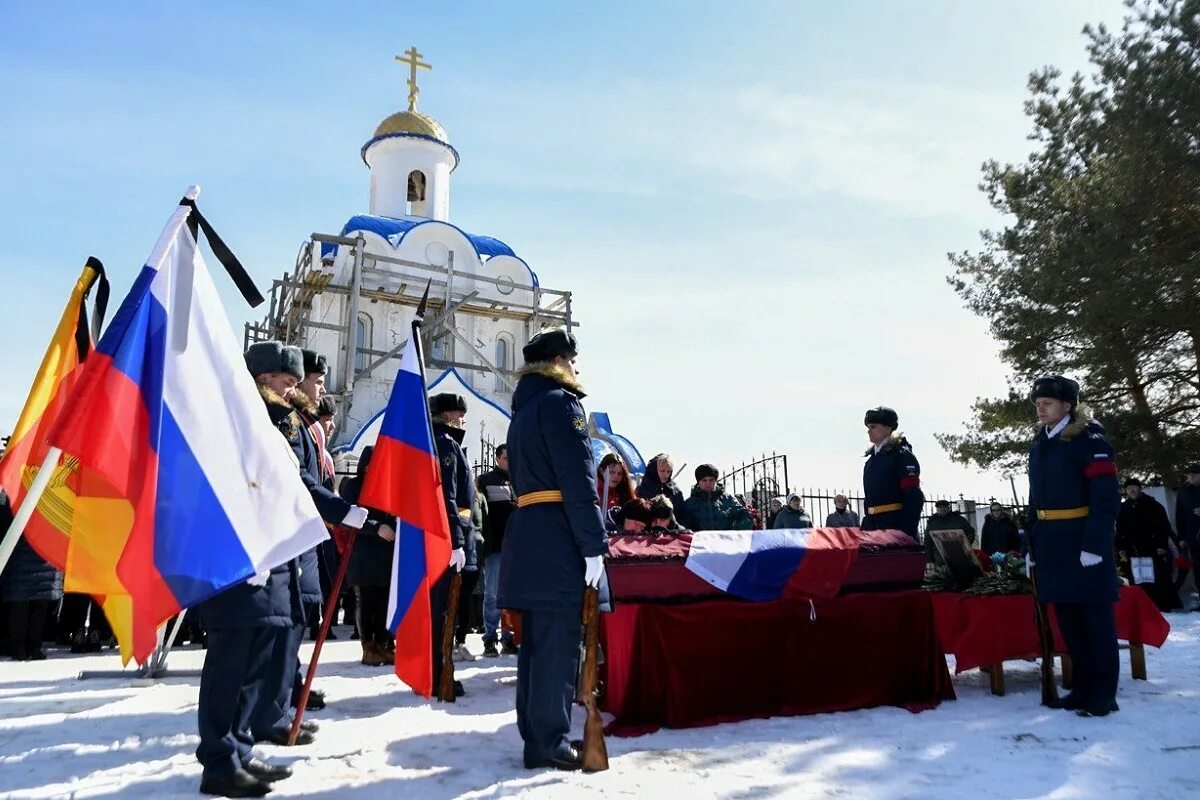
(410, 158)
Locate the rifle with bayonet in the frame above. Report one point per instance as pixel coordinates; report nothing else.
(595, 752)
(1041, 613)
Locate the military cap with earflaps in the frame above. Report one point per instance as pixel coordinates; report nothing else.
(264, 357)
(441, 403)
(546, 346)
(882, 415)
(314, 362)
(1056, 387)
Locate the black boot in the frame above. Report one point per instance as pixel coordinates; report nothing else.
(1072, 701)
(238, 784)
(266, 772)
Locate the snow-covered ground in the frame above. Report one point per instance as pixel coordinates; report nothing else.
(105, 738)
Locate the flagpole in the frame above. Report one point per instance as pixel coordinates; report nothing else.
(445, 685)
(335, 592)
(28, 506)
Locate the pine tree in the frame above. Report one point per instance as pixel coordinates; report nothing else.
(1097, 274)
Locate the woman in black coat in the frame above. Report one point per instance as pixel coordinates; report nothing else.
(658, 481)
(29, 588)
(370, 572)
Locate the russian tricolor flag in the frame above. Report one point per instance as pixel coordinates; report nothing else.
(405, 480)
(757, 565)
(189, 488)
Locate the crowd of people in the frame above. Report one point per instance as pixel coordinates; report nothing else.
(37, 612)
(516, 543)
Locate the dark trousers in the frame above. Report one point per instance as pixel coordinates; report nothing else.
(273, 711)
(372, 603)
(349, 601)
(546, 670)
(74, 617)
(439, 600)
(26, 625)
(236, 670)
(1090, 632)
(466, 605)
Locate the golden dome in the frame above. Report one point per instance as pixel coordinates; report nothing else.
(412, 122)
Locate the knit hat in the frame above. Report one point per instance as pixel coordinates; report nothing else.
(1057, 387)
(882, 415)
(264, 357)
(706, 471)
(546, 346)
(326, 407)
(441, 403)
(315, 362)
(1193, 468)
(1131, 482)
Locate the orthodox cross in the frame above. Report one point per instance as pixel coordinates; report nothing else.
(413, 59)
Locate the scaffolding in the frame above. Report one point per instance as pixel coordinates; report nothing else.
(378, 278)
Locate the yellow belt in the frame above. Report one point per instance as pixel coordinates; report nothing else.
(885, 508)
(534, 498)
(1052, 514)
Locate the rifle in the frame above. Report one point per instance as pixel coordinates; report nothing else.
(595, 753)
(1041, 615)
(446, 681)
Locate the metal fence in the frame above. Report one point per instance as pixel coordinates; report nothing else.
(487, 456)
(758, 482)
(820, 503)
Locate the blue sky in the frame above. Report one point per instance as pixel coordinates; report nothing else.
(752, 202)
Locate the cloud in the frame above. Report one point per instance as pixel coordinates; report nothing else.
(914, 150)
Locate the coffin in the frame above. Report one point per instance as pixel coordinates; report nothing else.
(651, 568)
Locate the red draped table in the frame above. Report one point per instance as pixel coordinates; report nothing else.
(683, 666)
(985, 631)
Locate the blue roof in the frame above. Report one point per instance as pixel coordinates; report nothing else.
(394, 229)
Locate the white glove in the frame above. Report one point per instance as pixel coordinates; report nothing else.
(355, 517)
(593, 570)
(1089, 559)
(458, 559)
(260, 579)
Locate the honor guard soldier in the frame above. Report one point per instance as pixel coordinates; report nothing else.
(554, 546)
(448, 412)
(273, 719)
(1074, 500)
(245, 669)
(891, 477)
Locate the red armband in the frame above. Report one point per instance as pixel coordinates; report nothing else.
(909, 482)
(1100, 468)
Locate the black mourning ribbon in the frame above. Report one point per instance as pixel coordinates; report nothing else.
(85, 334)
(236, 271)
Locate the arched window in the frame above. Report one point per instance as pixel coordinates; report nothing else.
(416, 186)
(443, 348)
(416, 194)
(362, 340)
(504, 348)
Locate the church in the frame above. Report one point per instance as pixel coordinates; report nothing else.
(353, 294)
